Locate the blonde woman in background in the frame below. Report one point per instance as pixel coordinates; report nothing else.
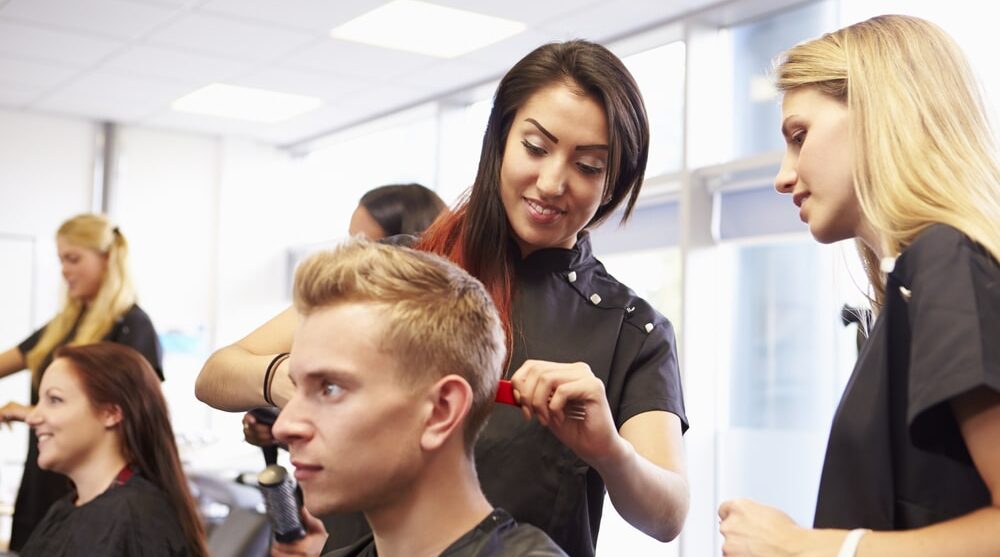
(100, 304)
(888, 143)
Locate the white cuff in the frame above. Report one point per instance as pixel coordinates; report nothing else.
(850, 546)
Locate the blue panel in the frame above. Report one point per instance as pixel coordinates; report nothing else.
(651, 226)
(757, 212)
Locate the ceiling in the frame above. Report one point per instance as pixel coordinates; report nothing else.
(124, 61)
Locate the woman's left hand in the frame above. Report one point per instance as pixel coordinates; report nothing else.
(544, 389)
(14, 412)
(755, 530)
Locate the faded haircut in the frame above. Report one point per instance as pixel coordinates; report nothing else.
(438, 319)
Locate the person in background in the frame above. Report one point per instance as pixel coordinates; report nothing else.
(888, 142)
(395, 209)
(100, 304)
(396, 363)
(565, 146)
(102, 421)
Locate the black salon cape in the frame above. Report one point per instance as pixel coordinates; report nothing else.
(39, 488)
(896, 458)
(132, 520)
(498, 535)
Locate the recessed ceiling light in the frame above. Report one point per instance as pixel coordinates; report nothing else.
(426, 28)
(245, 103)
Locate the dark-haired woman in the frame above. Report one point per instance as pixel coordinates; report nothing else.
(565, 146)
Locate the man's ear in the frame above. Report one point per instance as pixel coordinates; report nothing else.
(451, 399)
(111, 415)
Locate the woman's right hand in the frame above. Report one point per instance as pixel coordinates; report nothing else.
(14, 412)
(257, 433)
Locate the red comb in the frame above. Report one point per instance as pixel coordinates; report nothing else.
(505, 393)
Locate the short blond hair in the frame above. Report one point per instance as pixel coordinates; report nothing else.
(923, 144)
(438, 319)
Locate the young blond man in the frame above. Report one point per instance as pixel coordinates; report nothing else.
(396, 361)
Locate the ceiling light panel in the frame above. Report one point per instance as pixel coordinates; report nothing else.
(245, 103)
(426, 28)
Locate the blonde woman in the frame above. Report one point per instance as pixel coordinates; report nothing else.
(888, 143)
(100, 304)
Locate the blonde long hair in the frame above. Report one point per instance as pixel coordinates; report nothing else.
(924, 149)
(115, 296)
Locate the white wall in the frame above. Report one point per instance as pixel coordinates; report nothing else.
(164, 200)
(46, 172)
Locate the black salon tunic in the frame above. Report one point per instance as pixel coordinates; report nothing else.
(39, 488)
(896, 458)
(125, 521)
(498, 535)
(567, 308)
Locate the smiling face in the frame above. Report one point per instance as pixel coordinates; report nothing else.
(83, 269)
(554, 165)
(817, 165)
(352, 427)
(69, 429)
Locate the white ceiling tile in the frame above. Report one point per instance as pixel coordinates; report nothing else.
(113, 18)
(71, 49)
(609, 20)
(507, 52)
(174, 64)
(300, 82)
(228, 37)
(314, 15)
(530, 12)
(308, 125)
(167, 3)
(167, 118)
(111, 94)
(446, 76)
(380, 100)
(337, 56)
(13, 98)
(121, 87)
(93, 108)
(33, 75)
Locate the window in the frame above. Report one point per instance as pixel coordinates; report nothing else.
(756, 111)
(660, 74)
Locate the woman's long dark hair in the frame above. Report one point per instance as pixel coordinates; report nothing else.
(402, 208)
(114, 374)
(477, 235)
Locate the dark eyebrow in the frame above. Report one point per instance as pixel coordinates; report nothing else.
(548, 134)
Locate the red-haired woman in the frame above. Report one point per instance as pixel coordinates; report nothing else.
(565, 146)
(102, 421)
